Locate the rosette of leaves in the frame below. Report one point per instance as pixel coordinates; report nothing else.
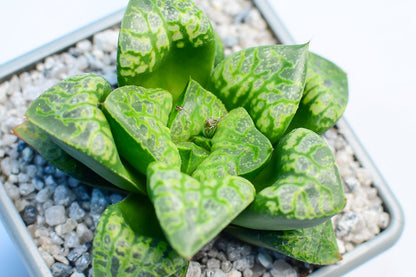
(162, 43)
(197, 144)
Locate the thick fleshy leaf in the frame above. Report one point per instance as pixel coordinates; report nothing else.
(314, 245)
(195, 108)
(238, 148)
(192, 213)
(40, 141)
(219, 50)
(138, 118)
(163, 43)
(325, 97)
(191, 156)
(267, 81)
(68, 112)
(308, 189)
(128, 241)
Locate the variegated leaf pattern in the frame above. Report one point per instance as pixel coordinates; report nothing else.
(195, 107)
(325, 97)
(39, 140)
(68, 112)
(308, 189)
(192, 213)
(238, 148)
(163, 43)
(267, 81)
(191, 156)
(131, 244)
(138, 118)
(314, 245)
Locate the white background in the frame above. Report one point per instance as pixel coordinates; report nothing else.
(373, 41)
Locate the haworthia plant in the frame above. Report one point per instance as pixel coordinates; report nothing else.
(314, 245)
(138, 119)
(68, 112)
(238, 148)
(128, 241)
(163, 43)
(39, 140)
(308, 189)
(267, 81)
(325, 97)
(191, 212)
(193, 110)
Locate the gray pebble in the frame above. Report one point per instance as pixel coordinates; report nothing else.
(63, 195)
(98, 202)
(61, 270)
(82, 263)
(27, 154)
(30, 214)
(75, 253)
(43, 195)
(76, 212)
(26, 188)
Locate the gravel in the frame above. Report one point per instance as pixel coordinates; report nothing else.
(61, 213)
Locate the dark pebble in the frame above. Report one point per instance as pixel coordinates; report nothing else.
(49, 169)
(75, 253)
(83, 262)
(30, 214)
(81, 193)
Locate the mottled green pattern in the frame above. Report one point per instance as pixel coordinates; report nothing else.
(40, 141)
(219, 50)
(238, 148)
(307, 192)
(325, 97)
(162, 43)
(192, 213)
(267, 81)
(68, 112)
(192, 110)
(120, 250)
(138, 118)
(191, 156)
(314, 245)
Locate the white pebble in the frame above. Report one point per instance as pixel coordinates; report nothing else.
(55, 215)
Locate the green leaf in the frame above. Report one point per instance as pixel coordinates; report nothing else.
(308, 189)
(238, 148)
(128, 241)
(267, 81)
(219, 50)
(163, 43)
(68, 112)
(138, 118)
(314, 245)
(40, 141)
(325, 97)
(193, 109)
(191, 156)
(192, 213)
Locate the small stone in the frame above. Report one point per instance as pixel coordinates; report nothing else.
(84, 45)
(98, 202)
(61, 270)
(49, 260)
(77, 274)
(72, 182)
(39, 161)
(12, 190)
(83, 262)
(194, 269)
(214, 272)
(77, 252)
(66, 228)
(55, 215)
(226, 266)
(20, 204)
(49, 169)
(81, 193)
(30, 214)
(31, 171)
(27, 154)
(84, 234)
(213, 263)
(76, 212)
(63, 195)
(116, 198)
(282, 269)
(26, 188)
(265, 259)
(43, 195)
(71, 240)
(248, 272)
(234, 273)
(243, 263)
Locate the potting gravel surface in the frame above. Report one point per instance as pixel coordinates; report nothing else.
(61, 213)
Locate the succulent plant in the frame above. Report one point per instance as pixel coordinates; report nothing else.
(201, 142)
